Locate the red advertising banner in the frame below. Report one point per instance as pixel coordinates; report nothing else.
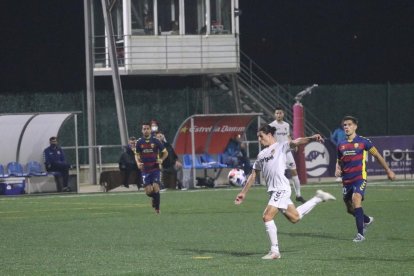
(211, 132)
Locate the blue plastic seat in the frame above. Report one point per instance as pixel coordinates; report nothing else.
(15, 169)
(2, 174)
(208, 160)
(221, 159)
(188, 162)
(34, 168)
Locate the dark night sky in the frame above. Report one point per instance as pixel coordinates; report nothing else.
(296, 42)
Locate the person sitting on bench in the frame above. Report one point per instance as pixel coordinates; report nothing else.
(55, 162)
(235, 154)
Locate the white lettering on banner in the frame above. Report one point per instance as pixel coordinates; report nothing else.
(395, 155)
(201, 129)
(225, 128)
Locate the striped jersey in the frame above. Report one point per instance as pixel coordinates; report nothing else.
(352, 157)
(149, 150)
(272, 162)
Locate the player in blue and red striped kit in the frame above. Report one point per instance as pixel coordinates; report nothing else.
(351, 165)
(150, 153)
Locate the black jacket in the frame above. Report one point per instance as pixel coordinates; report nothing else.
(127, 160)
(169, 162)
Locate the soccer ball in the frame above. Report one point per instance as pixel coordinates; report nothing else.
(237, 177)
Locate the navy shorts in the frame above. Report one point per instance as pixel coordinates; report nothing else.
(150, 178)
(356, 187)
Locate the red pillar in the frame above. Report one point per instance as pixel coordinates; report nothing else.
(299, 131)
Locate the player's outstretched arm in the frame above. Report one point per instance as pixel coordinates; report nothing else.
(241, 196)
(306, 140)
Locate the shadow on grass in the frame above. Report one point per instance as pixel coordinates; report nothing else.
(314, 235)
(228, 252)
(209, 212)
(376, 259)
(220, 252)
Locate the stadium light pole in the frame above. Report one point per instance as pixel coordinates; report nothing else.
(90, 91)
(116, 79)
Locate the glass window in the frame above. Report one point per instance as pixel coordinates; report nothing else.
(142, 17)
(168, 16)
(118, 31)
(117, 20)
(195, 19)
(220, 12)
(101, 42)
(99, 34)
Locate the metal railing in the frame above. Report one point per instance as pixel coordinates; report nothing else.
(169, 52)
(100, 160)
(261, 88)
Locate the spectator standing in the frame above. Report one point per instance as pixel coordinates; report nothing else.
(54, 159)
(170, 166)
(154, 126)
(338, 135)
(128, 166)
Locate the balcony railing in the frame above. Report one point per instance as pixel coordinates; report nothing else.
(169, 54)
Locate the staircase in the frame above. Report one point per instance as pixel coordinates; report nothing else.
(259, 92)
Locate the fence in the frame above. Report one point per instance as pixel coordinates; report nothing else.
(382, 109)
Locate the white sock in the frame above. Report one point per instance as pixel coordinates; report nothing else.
(308, 206)
(271, 230)
(296, 184)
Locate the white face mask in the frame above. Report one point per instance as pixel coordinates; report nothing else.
(154, 128)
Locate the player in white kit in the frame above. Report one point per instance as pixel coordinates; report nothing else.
(271, 161)
(282, 134)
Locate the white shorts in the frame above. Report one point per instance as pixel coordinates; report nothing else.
(280, 199)
(290, 161)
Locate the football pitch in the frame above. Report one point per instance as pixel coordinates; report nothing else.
(202, 232)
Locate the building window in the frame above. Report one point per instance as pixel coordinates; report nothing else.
(142, 17)
(168, 17)
(195, 16)
(220, 14)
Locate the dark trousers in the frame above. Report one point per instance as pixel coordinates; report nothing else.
(137, 177)
(169, 178)
(63, 169)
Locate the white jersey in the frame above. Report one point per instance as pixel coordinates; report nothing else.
(272, 162)
(282, 132)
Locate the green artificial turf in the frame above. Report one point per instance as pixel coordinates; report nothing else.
(202, 232)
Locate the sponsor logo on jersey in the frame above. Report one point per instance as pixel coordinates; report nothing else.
(266, 159)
